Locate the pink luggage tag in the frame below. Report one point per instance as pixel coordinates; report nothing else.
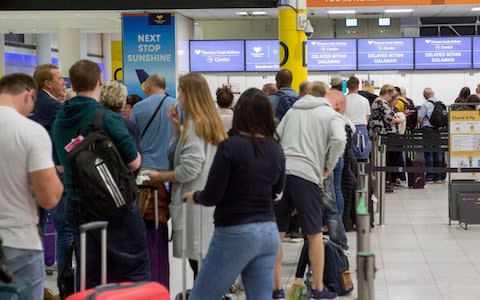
(74, 143)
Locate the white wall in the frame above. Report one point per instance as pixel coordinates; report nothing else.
(183, 33)
(94, 43)
(238, 29)
(268, 29)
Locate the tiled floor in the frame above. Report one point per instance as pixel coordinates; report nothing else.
(418, 255)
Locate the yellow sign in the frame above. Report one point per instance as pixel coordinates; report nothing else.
(117, 73)
(464, 131)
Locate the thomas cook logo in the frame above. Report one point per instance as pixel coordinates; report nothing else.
(159, 19)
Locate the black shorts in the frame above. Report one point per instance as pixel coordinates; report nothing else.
(304, 196)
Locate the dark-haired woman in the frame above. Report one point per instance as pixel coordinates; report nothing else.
(463, 94)
(246, 176)
(225, 101)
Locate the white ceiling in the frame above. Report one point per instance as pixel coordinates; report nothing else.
(109, 21)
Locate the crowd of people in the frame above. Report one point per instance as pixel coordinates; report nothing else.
(235, 172)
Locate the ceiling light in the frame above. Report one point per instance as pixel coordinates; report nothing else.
(398, 10)
(241, 13)
(259, 13)
(475, 8)
(340, 12)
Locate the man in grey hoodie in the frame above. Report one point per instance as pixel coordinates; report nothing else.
(310, 157)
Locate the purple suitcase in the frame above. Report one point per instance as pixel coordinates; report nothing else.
(49, 238)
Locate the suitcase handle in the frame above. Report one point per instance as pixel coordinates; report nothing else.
(84, 228)
(93, 226)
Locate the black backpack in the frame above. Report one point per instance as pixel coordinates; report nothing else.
(285, 102)
(439, 116)
(336, 273)
(105, 184)
(412, 117)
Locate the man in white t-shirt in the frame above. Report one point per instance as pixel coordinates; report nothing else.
(29, 179)
(358, 111)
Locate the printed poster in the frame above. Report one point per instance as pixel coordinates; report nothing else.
(148, 48)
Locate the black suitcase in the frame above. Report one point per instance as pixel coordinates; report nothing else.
(416, 180)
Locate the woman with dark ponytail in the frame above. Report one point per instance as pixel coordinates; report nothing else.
(246, 177)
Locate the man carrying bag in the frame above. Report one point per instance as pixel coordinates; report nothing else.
(156, 133)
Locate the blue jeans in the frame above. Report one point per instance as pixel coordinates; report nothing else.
(337, 180)
(433, 159)
(247, 249)
(333, 220)
(27, 269)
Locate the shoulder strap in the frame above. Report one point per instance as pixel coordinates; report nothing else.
(98, 120)
(153, 116)
(426, 115)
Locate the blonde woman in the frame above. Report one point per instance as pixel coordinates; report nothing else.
(114, 97)
(202, 131)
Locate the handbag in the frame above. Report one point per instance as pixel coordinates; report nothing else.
(145, 202)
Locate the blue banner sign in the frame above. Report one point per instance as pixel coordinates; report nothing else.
(148, 48)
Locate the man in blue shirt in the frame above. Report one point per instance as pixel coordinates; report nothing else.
(432, 159)
(155, 140)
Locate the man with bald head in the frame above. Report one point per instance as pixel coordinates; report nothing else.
(284, 98)
(155, 140)
(154, 143)
(302, 89)
(432, 159)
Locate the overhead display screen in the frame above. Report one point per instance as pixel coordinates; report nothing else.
(443, 53)
(332, 55)
(385, 54)
(476, 52)
(217, 56)
(262, 55)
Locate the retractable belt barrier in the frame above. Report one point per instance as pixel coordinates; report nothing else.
(365, 258)
(412, 144)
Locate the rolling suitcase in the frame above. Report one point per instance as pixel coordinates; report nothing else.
(117, 291)
(49, 238)
(183, 295)
(416, 180)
